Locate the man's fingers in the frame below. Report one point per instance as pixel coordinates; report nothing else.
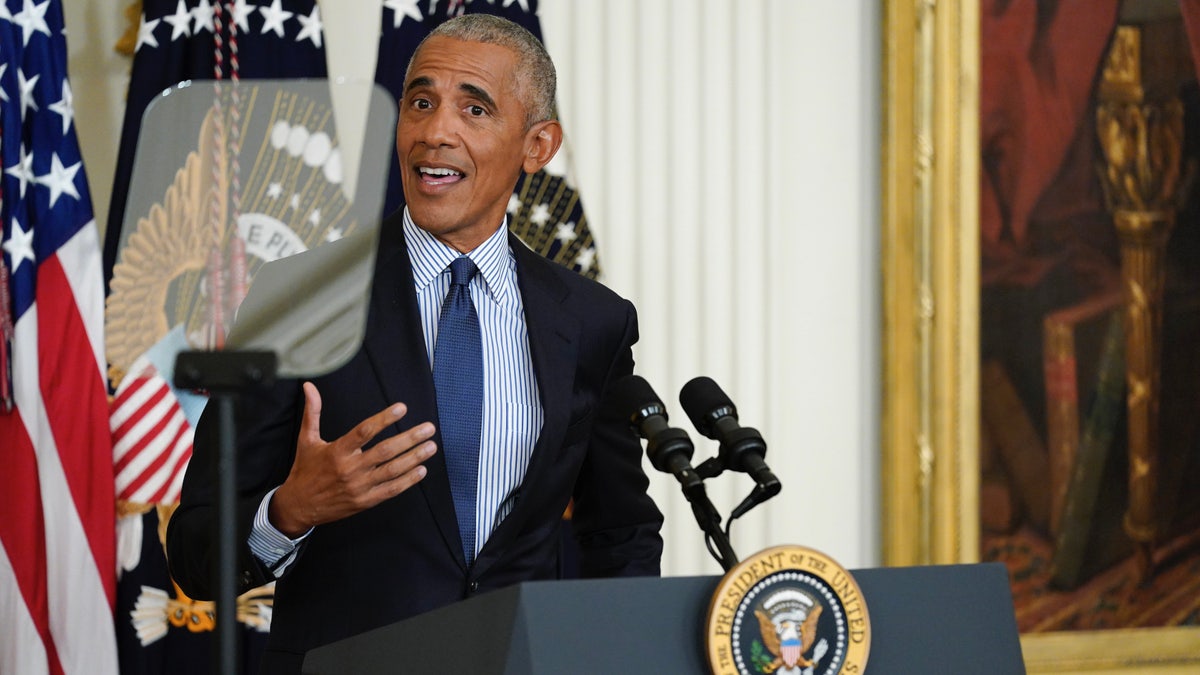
(405, 461)
(369, 428)
(398, 445)
(360, 435)
(310, 422)
(401, 473)
(404, 481)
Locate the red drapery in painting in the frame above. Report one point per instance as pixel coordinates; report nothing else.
(1039, 65)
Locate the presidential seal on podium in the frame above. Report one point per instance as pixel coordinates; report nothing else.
(787, 610)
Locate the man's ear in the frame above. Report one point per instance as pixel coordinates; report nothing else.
(541, 143)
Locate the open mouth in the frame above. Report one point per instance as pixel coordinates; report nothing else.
(438, 175)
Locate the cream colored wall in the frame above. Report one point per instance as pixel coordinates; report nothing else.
(99, 77)
(727, 154)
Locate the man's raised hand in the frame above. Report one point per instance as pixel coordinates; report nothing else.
(332, 480)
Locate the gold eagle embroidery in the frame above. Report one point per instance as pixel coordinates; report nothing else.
(773, 638)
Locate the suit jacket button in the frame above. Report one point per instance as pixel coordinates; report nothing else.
(473, 586)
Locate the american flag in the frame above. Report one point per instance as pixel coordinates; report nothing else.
(152, 438)
(57, 557)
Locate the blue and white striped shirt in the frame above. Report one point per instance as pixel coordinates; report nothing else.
(512, 411)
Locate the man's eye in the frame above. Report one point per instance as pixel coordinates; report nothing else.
(422, 104)
(476, 111)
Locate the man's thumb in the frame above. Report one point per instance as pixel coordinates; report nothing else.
(310, 423)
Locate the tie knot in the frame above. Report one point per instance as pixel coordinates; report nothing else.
(461, 271)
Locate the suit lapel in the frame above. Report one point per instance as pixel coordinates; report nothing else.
(553, 346)
(395, 348)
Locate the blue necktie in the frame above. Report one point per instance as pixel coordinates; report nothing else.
(458, 378)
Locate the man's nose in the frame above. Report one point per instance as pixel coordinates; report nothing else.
(440, 127)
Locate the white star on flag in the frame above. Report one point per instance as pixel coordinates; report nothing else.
(60, 180)
(524, 4)
(333, 234)
(273, 18)
(565, 232)
(295, 201)
(586, 258)
(540, 215)
(274, 191)
(65, 106)
(315, 217)
(26, 87)
(146, 33)
(241, 15)
(19, 245)
(32, 18)
(403, 8)
(23, 170)
(181, 21)
(202, 15)
(310, 27)
(514, 203)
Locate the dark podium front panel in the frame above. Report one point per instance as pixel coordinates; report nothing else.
(942, 619)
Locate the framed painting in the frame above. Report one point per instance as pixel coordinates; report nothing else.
(1041, 311)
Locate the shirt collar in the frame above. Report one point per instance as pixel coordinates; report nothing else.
(430, 258)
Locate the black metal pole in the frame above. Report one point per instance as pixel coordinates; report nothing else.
(227, 633)
(224, 375)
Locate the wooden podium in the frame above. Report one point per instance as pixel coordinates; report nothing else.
(940, 619)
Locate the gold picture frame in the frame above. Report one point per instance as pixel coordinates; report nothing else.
(930, 258)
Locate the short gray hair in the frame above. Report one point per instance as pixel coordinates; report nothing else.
(536, 79)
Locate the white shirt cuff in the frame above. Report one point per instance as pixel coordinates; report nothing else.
(274, 548)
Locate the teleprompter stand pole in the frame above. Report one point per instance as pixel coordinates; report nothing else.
(226, 375)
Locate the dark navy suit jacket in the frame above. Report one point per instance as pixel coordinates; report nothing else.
(403, 556)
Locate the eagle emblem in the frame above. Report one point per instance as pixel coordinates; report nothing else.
(788, 622)
(787, 610)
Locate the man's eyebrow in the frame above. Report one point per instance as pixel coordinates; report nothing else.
(479, 94)
(416, 82)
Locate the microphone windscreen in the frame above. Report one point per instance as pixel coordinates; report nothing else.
(699, 397)
(633, 393)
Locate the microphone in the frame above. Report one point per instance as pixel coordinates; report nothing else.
(742, 448)
(669, 449)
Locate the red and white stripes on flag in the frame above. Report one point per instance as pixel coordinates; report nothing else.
(57, 512)
(152, 439)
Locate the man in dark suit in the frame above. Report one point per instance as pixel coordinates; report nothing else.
(444, 479)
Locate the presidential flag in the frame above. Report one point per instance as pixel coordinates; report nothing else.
(57, 559)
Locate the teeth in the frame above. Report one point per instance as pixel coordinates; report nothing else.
(438, 172)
